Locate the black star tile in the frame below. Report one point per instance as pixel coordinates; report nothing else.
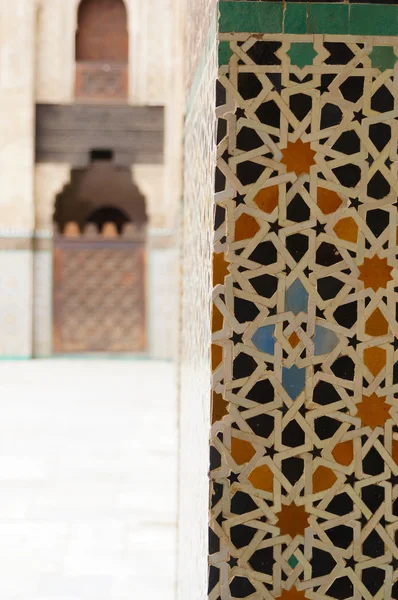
(239, 199)
(233, 478)
(272, 311)
(388, 163)
(370, 160)
(270, 451)
(320, 313)
(275, 227)
(316, 452)
(307, 271)
(319, 228)
(350, 562)
(355, 203)
(358, 116)
(233, 562)
(322, 88)
(270, 366)
(240, 113)
(237, 337)
(317, 368)
(287, 270)
(353, 341)
(351, 479)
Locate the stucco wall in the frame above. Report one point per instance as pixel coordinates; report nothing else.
(16, 108)
(150, 60)
(195, 336)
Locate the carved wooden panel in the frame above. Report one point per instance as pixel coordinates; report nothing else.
(99, 295)
(101, 82)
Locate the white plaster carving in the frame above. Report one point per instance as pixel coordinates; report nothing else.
(50, 179)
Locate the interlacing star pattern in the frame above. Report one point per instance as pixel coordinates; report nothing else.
(304, 453)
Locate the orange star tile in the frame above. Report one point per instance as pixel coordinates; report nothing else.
(298, 157)
(292, 520)
(373, 411)
(375, 273)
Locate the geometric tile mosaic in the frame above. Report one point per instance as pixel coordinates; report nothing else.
(304, 440)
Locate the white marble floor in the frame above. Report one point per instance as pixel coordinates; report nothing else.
(88, 476)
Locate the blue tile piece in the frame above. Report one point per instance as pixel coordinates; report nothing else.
(264, 339)
(296, 298)
(293, 381)
(325, 340)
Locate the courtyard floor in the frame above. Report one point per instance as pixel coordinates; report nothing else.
(88, 477)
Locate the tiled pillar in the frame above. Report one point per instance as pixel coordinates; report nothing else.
(304, 437)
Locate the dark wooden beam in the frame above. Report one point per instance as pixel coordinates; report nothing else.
(67, 133)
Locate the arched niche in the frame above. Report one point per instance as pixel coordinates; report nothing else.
(101, 193)
(101, 51)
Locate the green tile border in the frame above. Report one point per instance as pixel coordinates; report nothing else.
(301, 18)
(373, 19)
(328, 18)
(251, 16)
(295, 18)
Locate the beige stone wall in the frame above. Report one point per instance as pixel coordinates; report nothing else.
(195, 335)
(162, 282)
(50, 179)
(16, 110)
(197, 16)
(153, 78)
(16, 303)
(150, 182)
(149, 23)
(42, 303)
(55, 50)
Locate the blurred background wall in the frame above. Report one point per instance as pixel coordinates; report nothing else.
(52, 99)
